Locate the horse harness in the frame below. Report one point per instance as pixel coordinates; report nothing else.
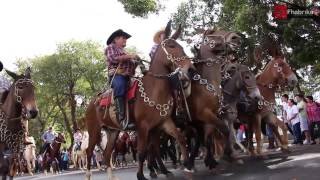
(13, 140)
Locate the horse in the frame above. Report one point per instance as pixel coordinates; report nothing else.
(19, 106)
(152, 106)
(121, 149)
(79, 156)
(237, 79)
(29, 155)
(277, 73)
(52, 154)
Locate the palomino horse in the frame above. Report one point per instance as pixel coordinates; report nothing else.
(52, 155)
(19, 104)
(79, 156)
(152, 107)
(277, 73)
(237, 79)
(29, 155)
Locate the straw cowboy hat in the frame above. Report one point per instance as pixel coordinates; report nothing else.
(117, 33)
(157, 36)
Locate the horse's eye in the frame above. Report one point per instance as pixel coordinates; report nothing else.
(19, 87)
(247, 77)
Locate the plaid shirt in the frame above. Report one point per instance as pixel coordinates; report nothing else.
(112, 52)
(313, 111)
(4, 83)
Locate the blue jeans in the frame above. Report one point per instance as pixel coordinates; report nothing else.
(297, 133)
(269, 131)
(120, 85)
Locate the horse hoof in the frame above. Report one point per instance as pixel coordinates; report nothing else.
(169, 175)
(188, 170)
(140, 176)
(286, 151)
(153, 175)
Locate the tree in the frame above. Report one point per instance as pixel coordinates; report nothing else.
(65, 81)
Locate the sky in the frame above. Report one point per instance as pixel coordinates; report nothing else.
(30, 28)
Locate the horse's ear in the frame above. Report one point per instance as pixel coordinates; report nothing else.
(167, 30)
(12, 74)
(27, 73)
(177, 33)
(257, 54)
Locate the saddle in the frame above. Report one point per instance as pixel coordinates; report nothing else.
(105, 101)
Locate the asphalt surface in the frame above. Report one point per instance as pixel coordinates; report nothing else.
(303, 163)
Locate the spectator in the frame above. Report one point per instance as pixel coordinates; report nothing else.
(313, 112)
(303, 117)
(293, 117)
(284, 100)
(65, 159)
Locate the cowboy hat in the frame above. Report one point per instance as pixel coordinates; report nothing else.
(157, 36)
(117, 33)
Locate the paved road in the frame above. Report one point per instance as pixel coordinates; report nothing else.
(303, 163)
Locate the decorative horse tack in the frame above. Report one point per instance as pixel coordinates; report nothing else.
(162, 108)
(12, 140)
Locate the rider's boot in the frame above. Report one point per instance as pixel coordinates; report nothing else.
(121, 111)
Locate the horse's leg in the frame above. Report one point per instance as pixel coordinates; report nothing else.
(208, 140)
(249, 137)
(143, 134)
(257, 130)
(271, 120)
(112, 137)
(29, 168)
(171, 129)
(93, 140)
(194, 146)
(284, 129)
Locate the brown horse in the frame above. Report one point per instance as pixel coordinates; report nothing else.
(276, 74)
(152, 107)
(121, 149)
(206, 95)
(52, 155)
(19, 105)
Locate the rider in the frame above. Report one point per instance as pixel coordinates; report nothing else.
(121, 66)
(158, 36)
(77, 136)
(48, 137)
(5, 85)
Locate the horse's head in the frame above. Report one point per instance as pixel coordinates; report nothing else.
(60, 138)
(22, 92)
(279, 73)
(240, 78)
(218, 43)
(170, 56)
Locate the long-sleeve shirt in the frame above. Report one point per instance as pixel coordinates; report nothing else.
(48, 136)
(112, 52)
(77, 137)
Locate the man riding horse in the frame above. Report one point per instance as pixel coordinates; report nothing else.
(121, 66)
(77, 136)
(48, 137)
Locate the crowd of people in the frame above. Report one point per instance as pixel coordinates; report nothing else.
(302, 117)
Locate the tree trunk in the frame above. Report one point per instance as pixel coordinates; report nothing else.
(73, 104)
(66, 121)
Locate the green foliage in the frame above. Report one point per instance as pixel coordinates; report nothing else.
(141, 8)
(65, 82)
